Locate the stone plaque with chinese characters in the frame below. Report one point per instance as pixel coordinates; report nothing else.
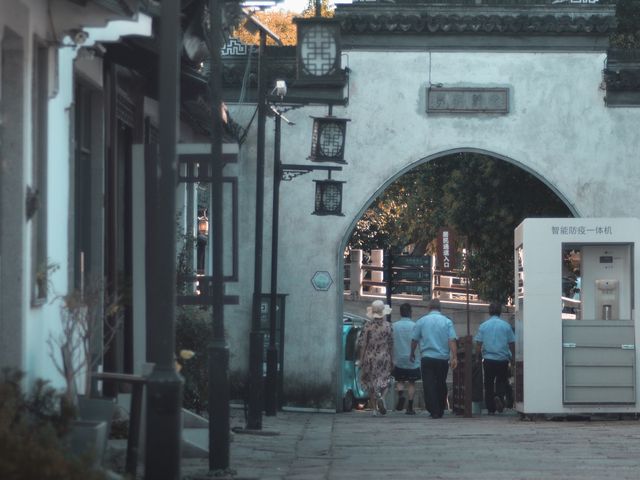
(467, 100)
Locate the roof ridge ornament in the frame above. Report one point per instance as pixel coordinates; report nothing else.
(543, 22)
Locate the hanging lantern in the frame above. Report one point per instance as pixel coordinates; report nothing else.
(327, 139)
(328, 197)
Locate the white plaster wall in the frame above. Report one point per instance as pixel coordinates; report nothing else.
(41, 322)
(307, 320)
(29, 19)
(19, 19)
(558, 128)
(45, 321)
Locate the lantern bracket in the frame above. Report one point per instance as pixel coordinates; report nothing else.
(289, 171)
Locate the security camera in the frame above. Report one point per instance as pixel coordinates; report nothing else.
(78, 36)
(281, 88)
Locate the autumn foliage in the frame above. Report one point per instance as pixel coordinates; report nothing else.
(281, 23)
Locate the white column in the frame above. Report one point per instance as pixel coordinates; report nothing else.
(377, 257)
(355, 274)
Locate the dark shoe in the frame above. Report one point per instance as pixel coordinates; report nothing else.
(499, 404)
(410, 411)
(400, 403)
(381, 407)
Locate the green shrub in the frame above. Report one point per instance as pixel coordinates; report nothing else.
(194, 332)
(32, 430)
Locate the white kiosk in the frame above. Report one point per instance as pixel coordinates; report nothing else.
(576, 331)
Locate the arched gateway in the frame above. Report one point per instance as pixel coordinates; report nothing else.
(520, 80)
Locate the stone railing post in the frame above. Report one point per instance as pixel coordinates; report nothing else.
(355, 274)
(377, 257)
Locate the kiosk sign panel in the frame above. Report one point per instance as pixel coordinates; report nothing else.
(575, 322)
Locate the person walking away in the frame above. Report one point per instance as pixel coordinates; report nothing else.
(405, 372)
(495, 344)
(375, 345)
(435, 335)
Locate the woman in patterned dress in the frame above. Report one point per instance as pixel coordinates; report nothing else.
(375, 344)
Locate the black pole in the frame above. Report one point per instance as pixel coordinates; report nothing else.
(466, 268)
(468, 376)
(468, 319)
(218, 352)
(256, 340)
(387, 261)
(388, 267)
(271, 391)
(164, 387)
(468, 355)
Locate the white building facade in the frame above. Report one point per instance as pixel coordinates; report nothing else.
(46, 46)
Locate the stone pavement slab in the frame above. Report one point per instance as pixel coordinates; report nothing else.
(356, 445)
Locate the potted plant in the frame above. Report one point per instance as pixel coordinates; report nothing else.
(34, 434)
(89, 317)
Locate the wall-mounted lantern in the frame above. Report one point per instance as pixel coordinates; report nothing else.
(328, 197)
(319, 51)
(201, 243)
(327, 139)
(203, 225)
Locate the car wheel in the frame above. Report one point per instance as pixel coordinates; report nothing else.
(348, 401)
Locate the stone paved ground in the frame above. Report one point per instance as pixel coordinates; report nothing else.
(356, 445)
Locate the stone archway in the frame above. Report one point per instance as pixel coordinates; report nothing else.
(445, 153)
(356, 304)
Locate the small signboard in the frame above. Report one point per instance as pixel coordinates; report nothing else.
(414, 261)
(446, 246)
(467, 100)
(412, 274)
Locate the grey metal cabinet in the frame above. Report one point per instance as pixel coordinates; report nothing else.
(598, 362)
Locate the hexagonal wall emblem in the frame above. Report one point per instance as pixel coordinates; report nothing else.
(321, 281)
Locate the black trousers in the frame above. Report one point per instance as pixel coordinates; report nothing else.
(434, 383)
(495, 382)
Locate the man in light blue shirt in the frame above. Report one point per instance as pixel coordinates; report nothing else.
(495, 341)
(405, 372)
(437, 339)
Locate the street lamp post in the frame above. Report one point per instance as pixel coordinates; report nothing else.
(164, 385)
(218, 351)
(256, 337)
(271, 386)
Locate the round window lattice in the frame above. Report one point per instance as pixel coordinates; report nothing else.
(318, 51)
(331, 197)
(331, 140)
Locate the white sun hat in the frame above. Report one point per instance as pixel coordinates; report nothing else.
(378, 309)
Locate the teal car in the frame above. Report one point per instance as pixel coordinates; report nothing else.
(353, 393)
